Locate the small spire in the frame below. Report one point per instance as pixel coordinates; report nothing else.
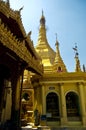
(84, 69)
(59, 65)
(78, 68)
(57, 43)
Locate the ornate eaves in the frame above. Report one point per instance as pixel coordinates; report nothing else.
(4, 8)
(19, 48)
(16, 16)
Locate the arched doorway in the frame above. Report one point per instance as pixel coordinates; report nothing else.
(52, 107)
(72, 105)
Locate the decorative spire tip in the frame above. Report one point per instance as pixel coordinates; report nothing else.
(42, 12)
(57, 43)
(76, 50)
(56, 36)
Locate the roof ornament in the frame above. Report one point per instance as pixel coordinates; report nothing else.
(29, 34)
(78, 68)
(42, 20)
(76, 50)
(42, 13)
(21, 9)
(84, 68)
(8, 3)
(57, 43)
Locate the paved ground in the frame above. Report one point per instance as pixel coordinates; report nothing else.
(52, 128)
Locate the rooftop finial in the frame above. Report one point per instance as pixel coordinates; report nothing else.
(76, 51)
(57, 43)
(42, 12)
(42, 20)
(56, 36)
(78, 69)
(84, 69)
(21, 9)
(8, 3)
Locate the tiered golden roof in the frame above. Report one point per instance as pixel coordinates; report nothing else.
(13, 37)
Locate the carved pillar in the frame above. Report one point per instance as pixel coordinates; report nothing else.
(82, 102)
(16, 98)
(63, 106)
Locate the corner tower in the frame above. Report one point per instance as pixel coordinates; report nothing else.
(43, 48)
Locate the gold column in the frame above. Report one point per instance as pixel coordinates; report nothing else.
(43, 122)
(43, 101)
(82, 102)
(63, 106)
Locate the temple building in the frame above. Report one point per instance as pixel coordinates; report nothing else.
(17, 54)
(59, 95)
(35, 85)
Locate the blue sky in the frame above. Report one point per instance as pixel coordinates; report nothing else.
(67, 18)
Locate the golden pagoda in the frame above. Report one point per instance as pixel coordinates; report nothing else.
(43, 48)
(59, 95)
(34, 82)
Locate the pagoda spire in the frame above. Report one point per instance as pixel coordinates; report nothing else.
(59, 65)
(42, 20)
(42, 39)
(43, 48)
(58, 57)
(77, 61)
